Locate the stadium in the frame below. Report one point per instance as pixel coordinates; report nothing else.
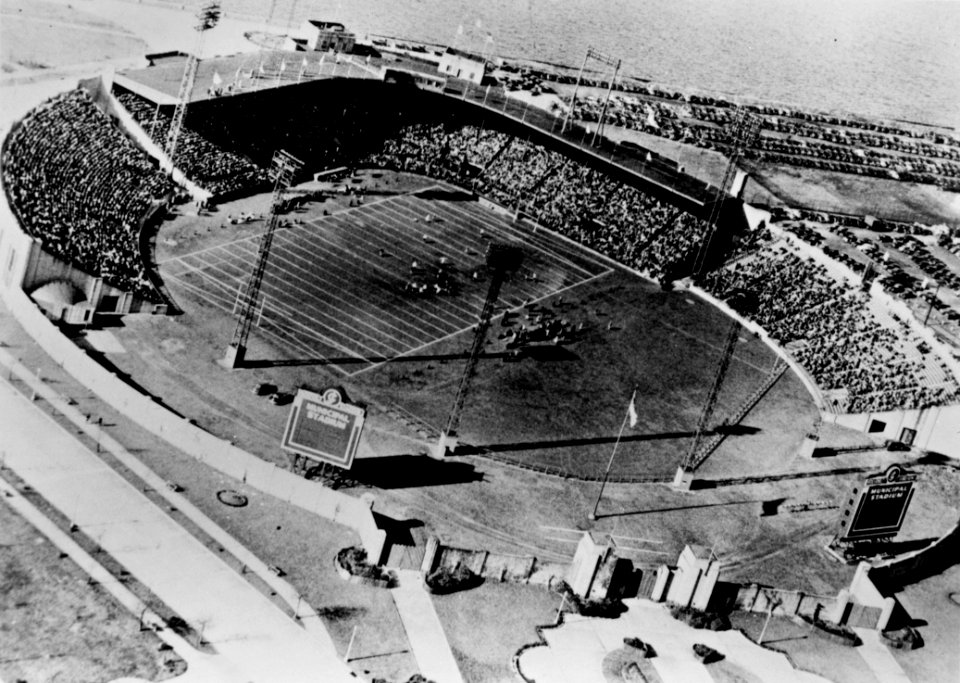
(653, 314)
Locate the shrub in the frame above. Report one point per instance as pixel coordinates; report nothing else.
(447, 580)
(695, 618)
(906, 638)
(607, 608)
(706, 654)
(354, 561)
(645, 649)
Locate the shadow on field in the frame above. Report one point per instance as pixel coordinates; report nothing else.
(411, 471)
(445, 195)
(678, 508)
(537, 353)
(598, 440)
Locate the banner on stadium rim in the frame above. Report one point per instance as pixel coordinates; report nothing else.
(323, 427)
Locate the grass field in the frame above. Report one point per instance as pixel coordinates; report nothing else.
(335, 311)
(334, 286)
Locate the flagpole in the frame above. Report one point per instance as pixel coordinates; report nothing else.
(606, 475)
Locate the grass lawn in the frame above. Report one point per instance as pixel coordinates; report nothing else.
(487, 625)
(53, 625)
(862, 195)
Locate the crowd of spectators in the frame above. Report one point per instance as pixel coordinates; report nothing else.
(223, 173)
(854, 356)
(577, 201)
(82, 188)
(858, 359)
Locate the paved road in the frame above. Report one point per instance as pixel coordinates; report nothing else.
(254, 639)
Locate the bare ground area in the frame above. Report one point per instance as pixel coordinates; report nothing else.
(37, 35)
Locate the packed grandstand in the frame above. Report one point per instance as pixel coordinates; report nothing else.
(81, 187)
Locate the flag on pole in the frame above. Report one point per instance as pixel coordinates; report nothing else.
(261, 69)
(216, 79)
(632, 410)
(304, 62)
(283, 65)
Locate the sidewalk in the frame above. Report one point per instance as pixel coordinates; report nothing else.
(424, 630)
(576, 650)
(881, 662)
(254, 640)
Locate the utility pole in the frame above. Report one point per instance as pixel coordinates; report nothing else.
(745, 129)
(207, 18)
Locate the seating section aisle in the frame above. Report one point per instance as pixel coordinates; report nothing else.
(82, 188)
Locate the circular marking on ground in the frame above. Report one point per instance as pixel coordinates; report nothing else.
(232, 498)
(955, 597)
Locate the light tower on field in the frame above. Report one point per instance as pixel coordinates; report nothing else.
(502, 259)
(603, 59)
(207, 18)
(285, 167)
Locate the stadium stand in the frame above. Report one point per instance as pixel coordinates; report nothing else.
(855, 351)
(577, 201)
(860, 356)
(223, 173)
(82, 188)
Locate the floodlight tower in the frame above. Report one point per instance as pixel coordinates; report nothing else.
(502, 259)
(207, 18)
(686, 467)
(285, 167)
(604, 59)
(744, 130)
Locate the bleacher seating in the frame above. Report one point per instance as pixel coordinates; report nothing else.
(82, 188)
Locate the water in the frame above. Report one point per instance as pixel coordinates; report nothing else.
(886, 58)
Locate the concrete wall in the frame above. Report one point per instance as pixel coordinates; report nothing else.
(498, 566)
(756, 598)
(919, 564)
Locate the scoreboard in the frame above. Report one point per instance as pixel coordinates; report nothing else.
(877, 510)
(324, 428)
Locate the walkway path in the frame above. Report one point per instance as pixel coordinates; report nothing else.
(576, 650)
(424, 630)
(881, 662)
(254, 639)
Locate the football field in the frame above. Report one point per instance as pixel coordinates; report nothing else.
(385, 279)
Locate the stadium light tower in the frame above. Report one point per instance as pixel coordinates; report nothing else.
(684, 477)
(207, 17)
(502, 259)
(744, 130)
(285, 167)
(604, 59)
